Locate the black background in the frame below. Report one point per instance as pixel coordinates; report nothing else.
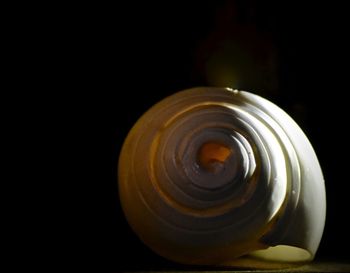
(110, 64)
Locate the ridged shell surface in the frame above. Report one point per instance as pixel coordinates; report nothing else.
(210, 174)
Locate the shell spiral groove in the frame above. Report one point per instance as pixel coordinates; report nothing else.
(210, 174)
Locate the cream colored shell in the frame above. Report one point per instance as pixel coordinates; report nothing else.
(208, 175)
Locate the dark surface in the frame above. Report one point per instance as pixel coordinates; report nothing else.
(314, 267)
(102, 67)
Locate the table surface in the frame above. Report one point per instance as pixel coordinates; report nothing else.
(312, 267)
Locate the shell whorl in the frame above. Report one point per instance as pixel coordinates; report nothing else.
(207, 175)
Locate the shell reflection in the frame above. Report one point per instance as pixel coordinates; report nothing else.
(210, 174)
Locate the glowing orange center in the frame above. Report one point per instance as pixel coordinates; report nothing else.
(212, 156)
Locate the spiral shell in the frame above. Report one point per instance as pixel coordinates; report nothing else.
(210, 174)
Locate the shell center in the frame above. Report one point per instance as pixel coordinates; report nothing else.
(212, 156)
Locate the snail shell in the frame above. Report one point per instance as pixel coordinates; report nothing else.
(210, 174)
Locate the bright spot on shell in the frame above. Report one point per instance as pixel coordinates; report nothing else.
(234, 91)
